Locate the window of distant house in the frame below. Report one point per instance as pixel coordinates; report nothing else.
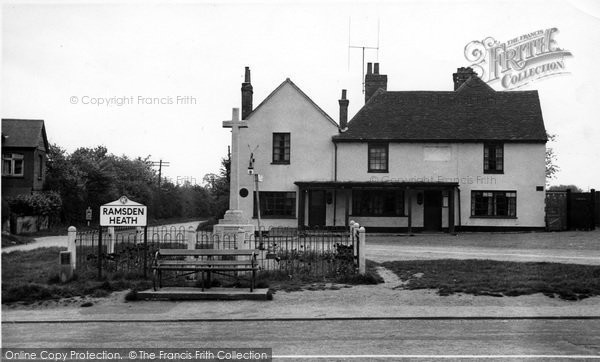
(12, 164)
(493, 158)
(40, 167)
(377, 203)
(501, 204)
(276, 205)
(378, 157)
(281, 148)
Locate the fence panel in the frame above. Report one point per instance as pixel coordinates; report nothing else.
(312, 252)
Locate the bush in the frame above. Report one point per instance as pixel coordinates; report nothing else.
(46, 204)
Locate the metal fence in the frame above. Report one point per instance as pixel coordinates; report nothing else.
(312, 252)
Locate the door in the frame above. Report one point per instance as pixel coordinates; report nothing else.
(316, 208)
(432, 210)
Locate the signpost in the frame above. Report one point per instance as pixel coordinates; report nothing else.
(122, 212)
(88, 215)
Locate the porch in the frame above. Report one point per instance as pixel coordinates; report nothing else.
(380, 206)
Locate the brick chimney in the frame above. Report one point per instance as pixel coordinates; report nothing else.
(374, 81)
(461, 76)
(246, 95)
(343, 110)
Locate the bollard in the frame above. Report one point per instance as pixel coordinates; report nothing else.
(362, 267)
(72, 246)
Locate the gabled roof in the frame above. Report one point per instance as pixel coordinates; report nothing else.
(288, 81)
(472, 113)
(23, 133)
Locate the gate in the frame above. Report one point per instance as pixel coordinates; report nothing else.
(556, 210)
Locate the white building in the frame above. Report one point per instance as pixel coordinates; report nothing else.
(467, 159)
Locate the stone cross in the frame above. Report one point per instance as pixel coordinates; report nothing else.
(235, 124)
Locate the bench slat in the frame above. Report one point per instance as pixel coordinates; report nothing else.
(206, 252)
(206, 262)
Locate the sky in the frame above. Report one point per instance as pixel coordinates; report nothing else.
(158, 78)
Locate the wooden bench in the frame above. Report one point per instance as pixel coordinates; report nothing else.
(203, 260)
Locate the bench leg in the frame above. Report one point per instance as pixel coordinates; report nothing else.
(155, 279)
(202, 275)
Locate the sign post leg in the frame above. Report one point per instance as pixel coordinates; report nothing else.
(146, 251)
(99, 252)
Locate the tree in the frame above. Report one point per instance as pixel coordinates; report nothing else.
(551, 167)
(573, 188)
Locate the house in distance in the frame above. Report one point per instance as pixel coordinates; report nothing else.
(24, 150)
(470, 158)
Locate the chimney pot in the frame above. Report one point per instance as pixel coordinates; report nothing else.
(376, 68)
(247, 75)
(369, 68)
(343, 94)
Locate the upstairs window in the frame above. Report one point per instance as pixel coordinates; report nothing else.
(501, 204)
(493, 158)
(378, 157)
(12, 164)
(281, 148)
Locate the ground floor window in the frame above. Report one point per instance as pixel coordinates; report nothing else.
(494, 203)
(276, 205)
(378, 203)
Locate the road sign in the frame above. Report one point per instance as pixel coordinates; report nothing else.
(88, 214)
(123, 212)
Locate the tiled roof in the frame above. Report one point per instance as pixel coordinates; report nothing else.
(23, 133)
(474, 112)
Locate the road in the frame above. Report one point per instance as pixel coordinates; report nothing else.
(343, 338)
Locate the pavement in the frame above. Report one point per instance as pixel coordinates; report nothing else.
(383, 301)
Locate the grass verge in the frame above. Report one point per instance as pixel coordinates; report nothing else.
(499, 278)
(30, 276)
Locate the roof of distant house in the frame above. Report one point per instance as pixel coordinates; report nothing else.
(24, 133)
(473, 113)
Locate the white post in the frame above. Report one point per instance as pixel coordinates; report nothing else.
(240, 239)
(190, 237)
(110, 247)
(362, 268)
(71, 246)
(352, 226)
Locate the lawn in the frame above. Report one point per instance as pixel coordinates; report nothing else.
(499, 278)
(33, 276)
(29, 276)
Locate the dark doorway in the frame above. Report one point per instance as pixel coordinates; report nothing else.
(316, 208)
(432, 210)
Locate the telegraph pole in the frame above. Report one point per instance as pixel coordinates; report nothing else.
(160, 165)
